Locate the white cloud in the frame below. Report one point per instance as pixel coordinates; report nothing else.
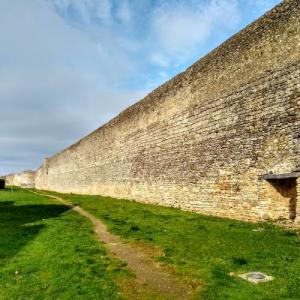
(103, 10)
(160, 59)
(181, 28)
(124, 12)
(85, 10)
(55, 86)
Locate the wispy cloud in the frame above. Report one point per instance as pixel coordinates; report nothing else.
(181, 30)
(85, 11)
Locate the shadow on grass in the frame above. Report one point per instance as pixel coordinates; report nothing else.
(16, 229)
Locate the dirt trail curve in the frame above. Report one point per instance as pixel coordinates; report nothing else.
(147, 271)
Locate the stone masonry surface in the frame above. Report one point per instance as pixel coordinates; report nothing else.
(24, 179)
(200, 141)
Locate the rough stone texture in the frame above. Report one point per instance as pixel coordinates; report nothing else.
(297, 220)
(24, 179)
(200, 141)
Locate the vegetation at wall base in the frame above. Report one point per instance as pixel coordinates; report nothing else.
(48, 251)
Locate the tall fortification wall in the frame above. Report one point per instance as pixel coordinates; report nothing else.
(24, 179)
(200, 141)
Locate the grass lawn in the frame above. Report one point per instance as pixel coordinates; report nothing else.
(50, 252)
(208, 248)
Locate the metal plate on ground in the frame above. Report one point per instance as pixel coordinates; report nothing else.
(256, 277)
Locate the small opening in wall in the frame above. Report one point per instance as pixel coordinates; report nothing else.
(284, 191)
(2, 184)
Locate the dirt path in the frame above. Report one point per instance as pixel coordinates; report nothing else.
(149, 274)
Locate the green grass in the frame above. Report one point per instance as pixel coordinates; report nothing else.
(208, 248)
(49, 252)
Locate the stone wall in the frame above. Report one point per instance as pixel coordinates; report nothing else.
(24, 179)
(200, 141)
(298, 203)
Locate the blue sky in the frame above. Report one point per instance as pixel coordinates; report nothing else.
(68, 66)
